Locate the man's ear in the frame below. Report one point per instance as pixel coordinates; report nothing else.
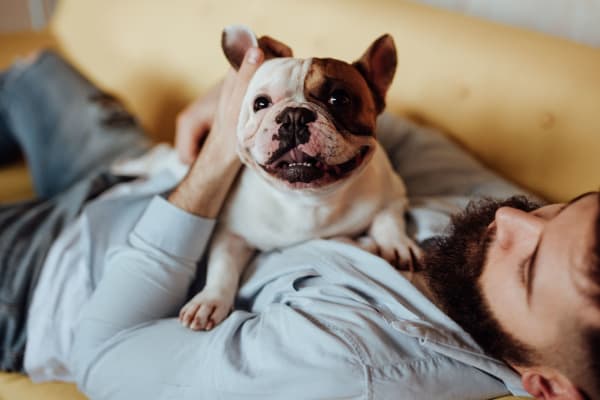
(548, 384)
(237, 39)
(378, 66)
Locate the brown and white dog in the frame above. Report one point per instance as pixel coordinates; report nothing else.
(314, 169)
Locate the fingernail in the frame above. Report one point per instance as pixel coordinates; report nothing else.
(253, 55)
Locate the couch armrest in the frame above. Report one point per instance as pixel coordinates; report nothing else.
(16, 386)
(13, 45)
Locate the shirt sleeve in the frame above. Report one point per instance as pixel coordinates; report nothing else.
(144, 280)
(127, 345)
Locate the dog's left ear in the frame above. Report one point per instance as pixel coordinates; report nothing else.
(378, 66)
(237, 39)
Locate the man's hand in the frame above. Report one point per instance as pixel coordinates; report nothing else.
(203, 190)
(194, 123)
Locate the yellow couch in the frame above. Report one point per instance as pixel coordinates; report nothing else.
(526, 104)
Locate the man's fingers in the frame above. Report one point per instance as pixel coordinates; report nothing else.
(252, 60)
(193, 124)
(189, 135)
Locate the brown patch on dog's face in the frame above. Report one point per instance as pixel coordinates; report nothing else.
(305, 126)
(339, 88)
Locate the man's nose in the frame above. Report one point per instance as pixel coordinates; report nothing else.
(294, 124)
(514, 226)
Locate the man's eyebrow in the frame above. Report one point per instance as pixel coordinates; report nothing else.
(532, 263)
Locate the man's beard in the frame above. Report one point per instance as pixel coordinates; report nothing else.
(453, 265)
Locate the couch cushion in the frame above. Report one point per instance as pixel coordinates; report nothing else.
(16, 386)
(15, 183)
(526, 104)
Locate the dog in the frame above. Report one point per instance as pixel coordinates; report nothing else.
(313, 167)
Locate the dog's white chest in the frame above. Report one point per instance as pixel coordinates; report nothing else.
(268, 218)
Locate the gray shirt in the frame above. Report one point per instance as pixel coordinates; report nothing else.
(319, 320)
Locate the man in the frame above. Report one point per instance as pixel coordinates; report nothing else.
(318, 320)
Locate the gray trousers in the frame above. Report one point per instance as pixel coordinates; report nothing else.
(69, 132)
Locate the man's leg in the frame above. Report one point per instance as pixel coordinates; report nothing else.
(27, 231)
(70, 133)
(67, 128)
(9, 149)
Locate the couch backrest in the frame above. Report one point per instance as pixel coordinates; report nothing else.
(527, 105)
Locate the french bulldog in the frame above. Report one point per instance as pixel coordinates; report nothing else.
(313, 167)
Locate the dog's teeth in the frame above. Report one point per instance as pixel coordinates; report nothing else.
(304, 164)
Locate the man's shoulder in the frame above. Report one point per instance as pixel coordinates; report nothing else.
(348, 340)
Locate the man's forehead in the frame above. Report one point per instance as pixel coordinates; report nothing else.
(579, 218)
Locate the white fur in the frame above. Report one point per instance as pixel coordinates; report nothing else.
(269, 218)
(264, 213)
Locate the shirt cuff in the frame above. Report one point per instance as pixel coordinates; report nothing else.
(173, 230)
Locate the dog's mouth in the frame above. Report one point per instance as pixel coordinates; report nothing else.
(295, 166)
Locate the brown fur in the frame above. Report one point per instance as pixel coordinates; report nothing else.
(327, 75)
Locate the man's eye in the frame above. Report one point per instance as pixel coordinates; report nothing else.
(339, 98)
(261, 102)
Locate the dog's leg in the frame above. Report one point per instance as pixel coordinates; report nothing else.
(387, 237)
(228, 257)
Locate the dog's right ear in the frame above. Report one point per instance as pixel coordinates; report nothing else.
(378, 66)
(237, 39)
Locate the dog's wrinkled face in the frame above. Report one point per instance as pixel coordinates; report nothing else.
(305, 127)
(309, 123)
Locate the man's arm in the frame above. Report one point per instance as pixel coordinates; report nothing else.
(148, 278)
(194, 123)
(203, 191)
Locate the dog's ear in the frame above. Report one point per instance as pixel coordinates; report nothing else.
(378, 66)
(274, 48)
(237, 39)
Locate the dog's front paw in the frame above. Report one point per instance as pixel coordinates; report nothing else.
(207, 309)
(401, 252)
(387, 238)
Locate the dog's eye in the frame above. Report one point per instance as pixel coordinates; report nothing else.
(338, 98)
(261, 102)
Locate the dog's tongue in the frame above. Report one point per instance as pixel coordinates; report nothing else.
(297, 155)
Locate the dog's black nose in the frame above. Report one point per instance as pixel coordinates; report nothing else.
(294, 124)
